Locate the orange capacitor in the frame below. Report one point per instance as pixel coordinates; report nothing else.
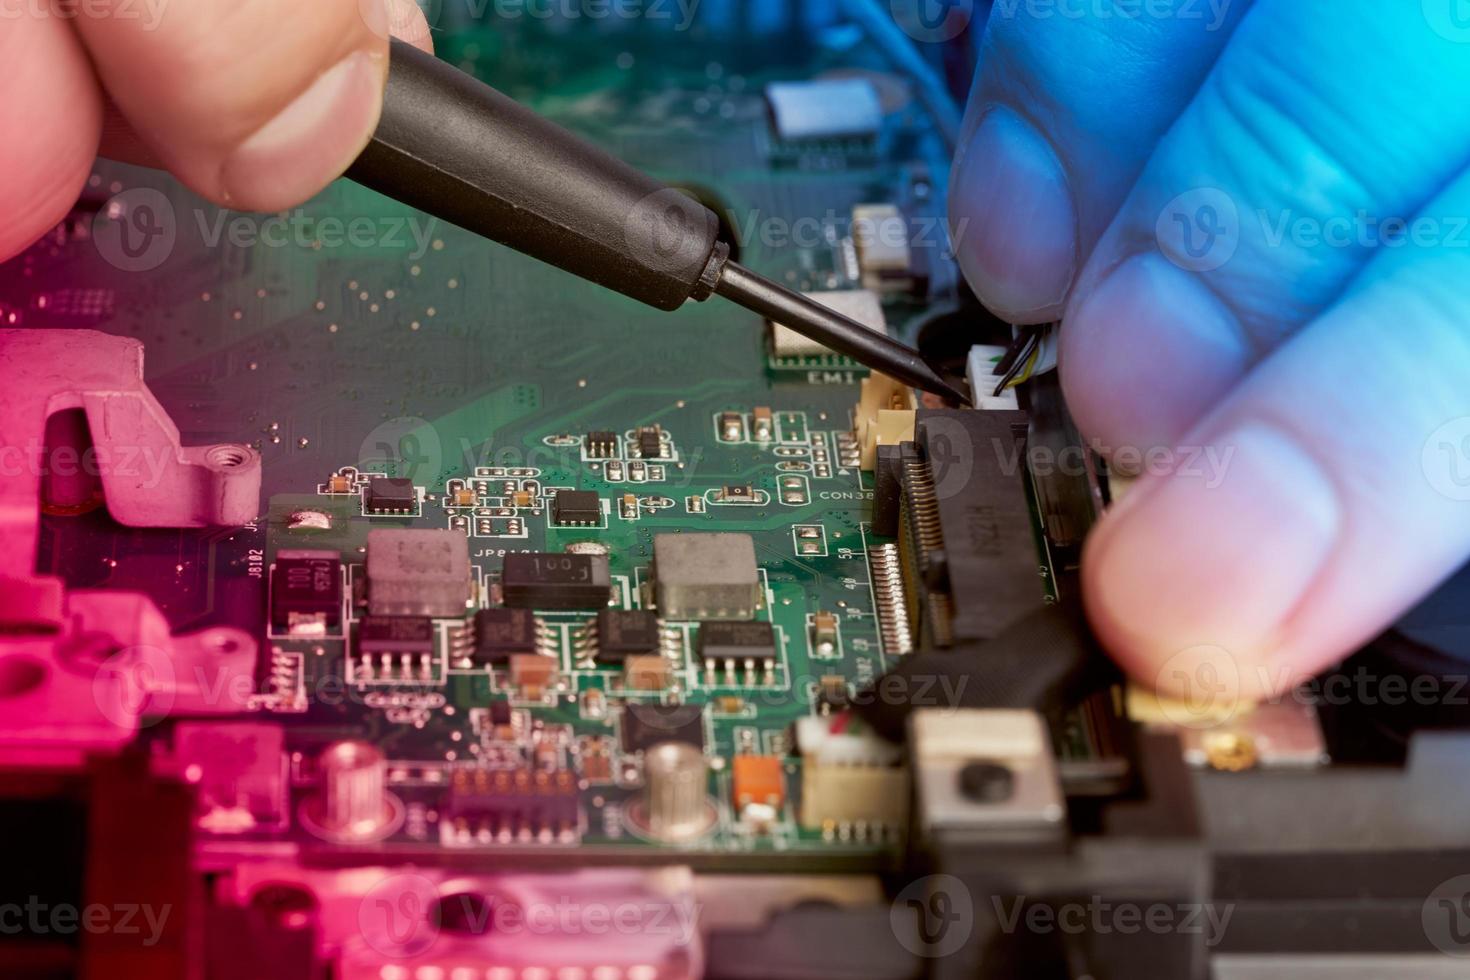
(759, 779)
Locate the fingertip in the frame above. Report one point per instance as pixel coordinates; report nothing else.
(1146, 351)
(1209, 560)
(45, 155)
(407, 22)
(310, 142)
(1013, 220)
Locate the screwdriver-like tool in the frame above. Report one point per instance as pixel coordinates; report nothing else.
(457, 149)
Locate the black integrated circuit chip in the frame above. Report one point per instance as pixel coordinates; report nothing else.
(556, 581)
(648, 724)
(602, 445)
(500, 713)
(389, 495)
(503, 633)
(651, 443)
(624, 633)
(407, 635)
(306, 591)
(577, 508)
(729, 640)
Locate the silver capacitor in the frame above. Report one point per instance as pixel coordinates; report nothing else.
(354, 804)
(676, 799)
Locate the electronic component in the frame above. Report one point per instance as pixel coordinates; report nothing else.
(888, 466)
(881, 234)
(518, 804)
(825, 109)
(732, 425)
(758, 780)
(624, 633)
(862, 305)
(762, 425)
(706, 576)
(851, 782)
(754, 640)
(556, 581)
(739, 495)
(354, 804)
(418, 573)
(533, 674)
(969, 559)
(980, 372)
(501, 634)
(651, 442)
(646, 672)
(828, 741)
(885, 416)
(892, 602)
(577, 508)
(832, 694)
(848, 801)
(675, 805)
(824, 633)
(646, 725)
(602, 445)
(395, 636)
(389, 496)
(306, 592)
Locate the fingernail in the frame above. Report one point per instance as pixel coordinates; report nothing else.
(1013, 220)
(1218, 553)
(1155, 333)
(310, 142)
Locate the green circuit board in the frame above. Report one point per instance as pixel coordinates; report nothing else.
(421, 353)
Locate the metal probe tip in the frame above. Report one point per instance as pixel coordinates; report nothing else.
(831, 329)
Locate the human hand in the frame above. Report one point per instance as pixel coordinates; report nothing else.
(1254, 221)
(254, 104)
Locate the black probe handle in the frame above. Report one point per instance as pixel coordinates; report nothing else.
(457, 149)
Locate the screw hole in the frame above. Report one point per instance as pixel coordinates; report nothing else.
(229, 457)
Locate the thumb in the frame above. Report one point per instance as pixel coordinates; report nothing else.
(253, 105)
